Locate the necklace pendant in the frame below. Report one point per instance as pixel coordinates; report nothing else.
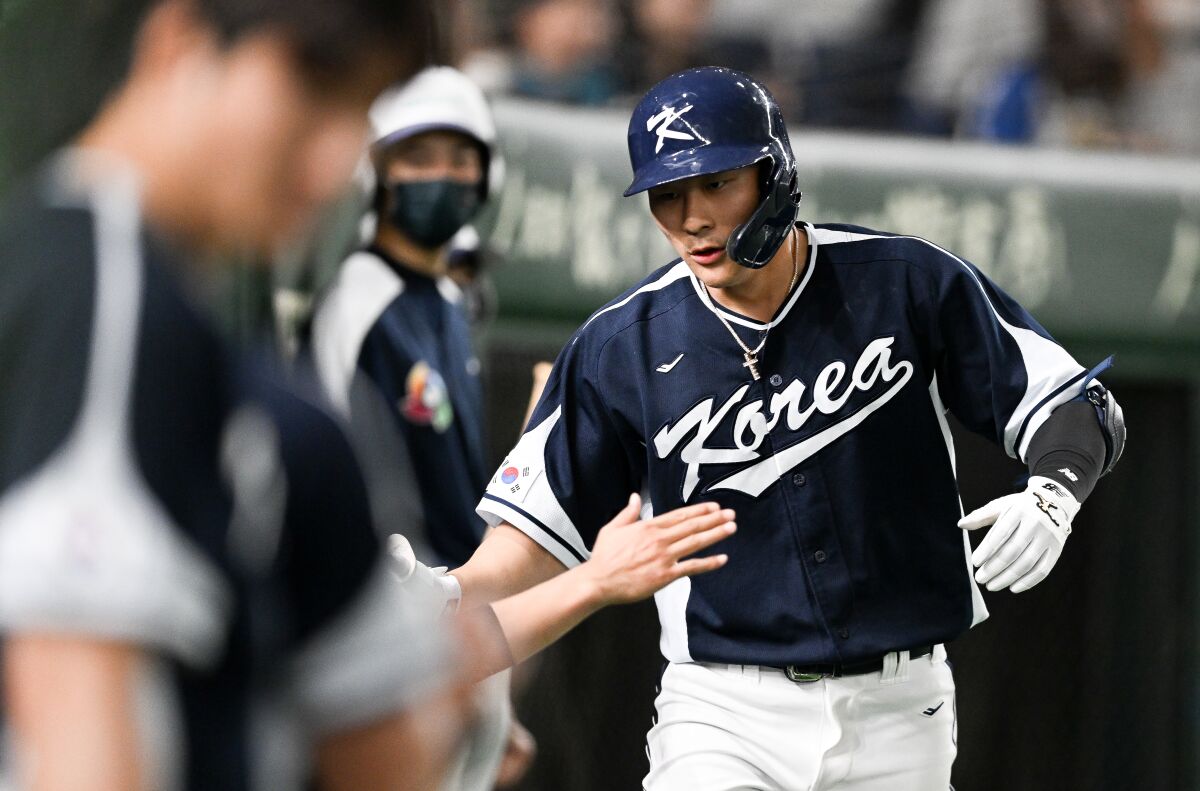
(752, 364)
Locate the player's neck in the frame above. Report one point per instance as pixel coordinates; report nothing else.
(427, 262)
(760, 295)
(124, 135)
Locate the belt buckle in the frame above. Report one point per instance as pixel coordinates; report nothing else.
(801, 678)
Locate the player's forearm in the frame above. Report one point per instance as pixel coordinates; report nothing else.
(535, 618)
(1069, 448)
(70, 703)
(631, 559)
(506, 563)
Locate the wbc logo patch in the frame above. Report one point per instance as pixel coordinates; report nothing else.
(426, 401)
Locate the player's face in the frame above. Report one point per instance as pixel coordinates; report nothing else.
(698, 215)
(278, 148)
(438, 155)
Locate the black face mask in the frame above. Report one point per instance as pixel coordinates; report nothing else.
(431, 212)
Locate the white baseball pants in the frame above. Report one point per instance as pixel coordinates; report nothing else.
(746, 728)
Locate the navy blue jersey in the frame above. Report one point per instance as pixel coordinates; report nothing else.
(159, 488)
(838, 461)
(408, 336)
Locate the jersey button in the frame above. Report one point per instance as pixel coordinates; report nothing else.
(844, 633)
(776, 380)
(799, 479)
(819, 556)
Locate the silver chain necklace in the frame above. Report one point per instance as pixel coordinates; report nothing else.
(751, 355)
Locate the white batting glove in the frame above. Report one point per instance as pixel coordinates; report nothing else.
(1027, 535)
(440, 589)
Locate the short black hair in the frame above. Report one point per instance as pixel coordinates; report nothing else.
(60, 58)
(334, 39)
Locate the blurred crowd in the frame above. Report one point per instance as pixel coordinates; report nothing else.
(1086, 73)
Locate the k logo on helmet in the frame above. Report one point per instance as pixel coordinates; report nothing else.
(664, 120)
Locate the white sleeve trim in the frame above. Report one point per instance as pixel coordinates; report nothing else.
(363, 289)
(85, 546)
(1049, 369)
(520, 494)
(979, 610)
(495, 512)
(82, 552)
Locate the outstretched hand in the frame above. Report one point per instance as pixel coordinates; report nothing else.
(632, 559)
(1026, 536)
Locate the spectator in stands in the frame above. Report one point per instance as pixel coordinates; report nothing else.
(1158, 119)
(1163, 102)
(966, 54)
(667, 36)
(556, 50)
(839, 65)
(1107, 73)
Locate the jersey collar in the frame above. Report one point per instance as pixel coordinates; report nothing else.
(738, 318)
(446, 287)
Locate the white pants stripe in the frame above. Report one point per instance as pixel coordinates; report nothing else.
(745, 728)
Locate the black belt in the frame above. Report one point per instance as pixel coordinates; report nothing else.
(804, 673)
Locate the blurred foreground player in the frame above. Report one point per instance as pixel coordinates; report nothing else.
(392, 331)
(191, 591)
(801, 374)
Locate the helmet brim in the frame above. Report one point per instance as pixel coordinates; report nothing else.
(404, 133)
(698, 161)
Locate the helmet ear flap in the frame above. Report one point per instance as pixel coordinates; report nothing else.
(754, 243)
(766, 168)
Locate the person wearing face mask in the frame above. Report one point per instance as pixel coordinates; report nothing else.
(391, 339)
(393, 321)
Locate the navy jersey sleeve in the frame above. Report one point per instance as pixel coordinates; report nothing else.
(569, 474)
(997, 369)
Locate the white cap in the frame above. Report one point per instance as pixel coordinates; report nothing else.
(437, 98)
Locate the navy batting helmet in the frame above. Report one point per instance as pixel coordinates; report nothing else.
(712, 119)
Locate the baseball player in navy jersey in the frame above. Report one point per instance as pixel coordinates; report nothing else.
(801, 374)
